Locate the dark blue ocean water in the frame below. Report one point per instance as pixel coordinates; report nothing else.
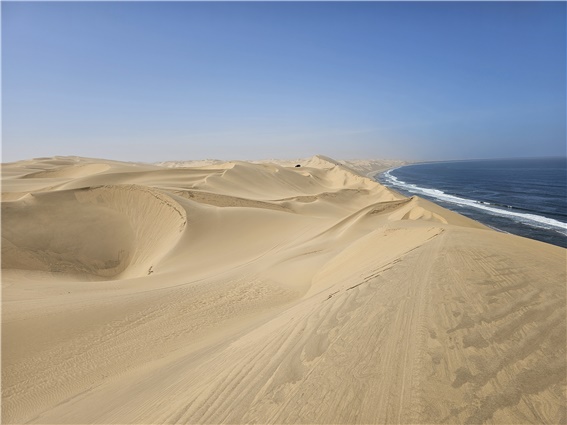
(526, 197)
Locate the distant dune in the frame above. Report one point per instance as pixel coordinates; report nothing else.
(261, 292)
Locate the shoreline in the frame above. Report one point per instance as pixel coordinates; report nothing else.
(489, 213)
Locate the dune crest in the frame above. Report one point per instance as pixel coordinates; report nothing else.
(69, 171)
(261, 292)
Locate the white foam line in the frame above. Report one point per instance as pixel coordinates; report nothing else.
(529, 219)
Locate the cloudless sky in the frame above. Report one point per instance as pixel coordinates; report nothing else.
(186, 80)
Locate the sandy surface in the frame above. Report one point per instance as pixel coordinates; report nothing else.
(265, 293)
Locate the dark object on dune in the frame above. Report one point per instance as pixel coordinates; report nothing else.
(298, 165)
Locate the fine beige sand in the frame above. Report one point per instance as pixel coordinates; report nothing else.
(261, 293)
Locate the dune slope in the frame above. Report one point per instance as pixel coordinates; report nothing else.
(267, 293)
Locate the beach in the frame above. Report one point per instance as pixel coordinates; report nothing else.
(267, 292)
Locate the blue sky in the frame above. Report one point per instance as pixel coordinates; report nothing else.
(187, 80)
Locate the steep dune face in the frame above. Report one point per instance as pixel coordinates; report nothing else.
(54, 232)
(106, 232)
(265, 293)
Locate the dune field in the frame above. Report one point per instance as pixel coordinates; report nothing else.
(237, 292)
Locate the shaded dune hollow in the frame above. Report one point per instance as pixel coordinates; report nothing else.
(109, 232)
(265, 293)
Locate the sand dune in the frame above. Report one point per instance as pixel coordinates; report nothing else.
(239, 292)
(68, 171)
(107, 231)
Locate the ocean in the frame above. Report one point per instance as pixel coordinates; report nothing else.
(526, 197)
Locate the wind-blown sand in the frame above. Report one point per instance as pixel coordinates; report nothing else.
(264, 293)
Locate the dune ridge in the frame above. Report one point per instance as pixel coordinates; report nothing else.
(260, 292)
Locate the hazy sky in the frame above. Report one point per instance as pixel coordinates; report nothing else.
(184, 80)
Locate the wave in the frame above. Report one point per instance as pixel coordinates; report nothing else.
(533, 220)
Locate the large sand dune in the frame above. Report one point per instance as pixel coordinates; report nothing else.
(238, 292)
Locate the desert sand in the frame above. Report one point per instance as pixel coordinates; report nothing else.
(238, 292)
